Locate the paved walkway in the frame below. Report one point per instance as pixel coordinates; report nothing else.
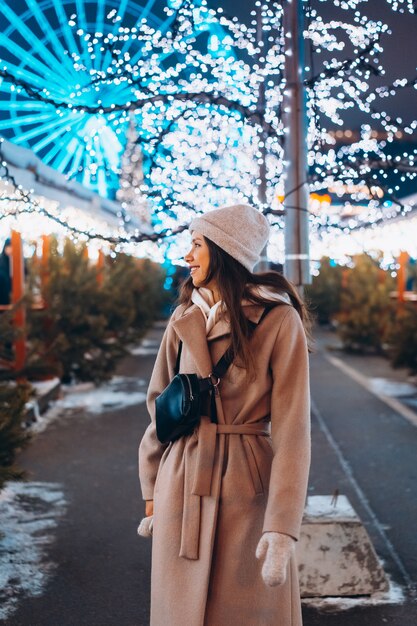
(361, 446)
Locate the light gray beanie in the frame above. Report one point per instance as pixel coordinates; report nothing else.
(240, 230)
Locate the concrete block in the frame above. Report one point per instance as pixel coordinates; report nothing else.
(45, 392)
(335, 554)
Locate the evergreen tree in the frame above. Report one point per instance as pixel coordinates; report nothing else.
(12, 434)
(325, 291)
(138, 284)
(402, 339)
(87, 324)
(365, 305)
(72, 333)
(7, 335)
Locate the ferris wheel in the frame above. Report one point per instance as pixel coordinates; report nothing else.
(59, 48)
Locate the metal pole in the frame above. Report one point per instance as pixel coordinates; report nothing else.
(297, 265)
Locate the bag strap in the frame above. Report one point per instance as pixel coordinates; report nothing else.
(177, 362)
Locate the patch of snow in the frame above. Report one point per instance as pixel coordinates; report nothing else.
(330, 508)
(99, 400)
(144, 350)
(394, 595)
(150, 343)
(85, 398)
(392, 388)
(29, 513)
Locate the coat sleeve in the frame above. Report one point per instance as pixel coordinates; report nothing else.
(150, 449)
(290, 428)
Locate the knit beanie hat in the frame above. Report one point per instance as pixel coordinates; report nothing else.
(239, 230)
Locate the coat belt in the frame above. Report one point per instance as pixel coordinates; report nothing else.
(201, 484)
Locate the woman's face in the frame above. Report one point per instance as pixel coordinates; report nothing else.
(198, 259)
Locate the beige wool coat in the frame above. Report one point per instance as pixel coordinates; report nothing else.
(216, 490)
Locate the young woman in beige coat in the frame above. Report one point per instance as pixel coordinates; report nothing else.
(224, 504)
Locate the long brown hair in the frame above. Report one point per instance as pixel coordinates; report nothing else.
(235, 283)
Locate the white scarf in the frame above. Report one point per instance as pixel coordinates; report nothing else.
(212, 311)
(204, 299)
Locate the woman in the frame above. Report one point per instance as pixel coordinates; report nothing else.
(225, 503)
(5, 277)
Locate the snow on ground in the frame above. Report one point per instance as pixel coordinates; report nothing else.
(146, 348)
(395, 595)
(392, 388)
(86, 399)
(29, 513)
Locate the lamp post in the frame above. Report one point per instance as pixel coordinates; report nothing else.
(297, 265)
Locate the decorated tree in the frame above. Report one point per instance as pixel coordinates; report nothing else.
(207, 95)
(130, 194)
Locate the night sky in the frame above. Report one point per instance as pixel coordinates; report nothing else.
(400, 49)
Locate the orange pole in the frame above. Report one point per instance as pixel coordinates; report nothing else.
(402, 276)
(100, 267)
(18, 290)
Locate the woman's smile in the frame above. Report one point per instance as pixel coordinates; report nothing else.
(198, 259)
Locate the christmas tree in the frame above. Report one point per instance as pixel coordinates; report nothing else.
(365, 305)
(402, 339)
(12, 435)
(72, 332)
(325, 291)
(90, 320)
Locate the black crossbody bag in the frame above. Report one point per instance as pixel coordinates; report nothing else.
(178, 407)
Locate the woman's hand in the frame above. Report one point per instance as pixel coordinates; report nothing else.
(149, 508)
(276, 549)
(145, 528)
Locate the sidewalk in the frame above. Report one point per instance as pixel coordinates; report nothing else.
(366, 448)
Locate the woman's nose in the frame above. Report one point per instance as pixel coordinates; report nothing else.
(188, 257)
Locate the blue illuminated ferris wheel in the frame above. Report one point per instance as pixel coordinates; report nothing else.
(57, 47)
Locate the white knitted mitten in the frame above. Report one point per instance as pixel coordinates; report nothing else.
(277, 549)
(145, 528)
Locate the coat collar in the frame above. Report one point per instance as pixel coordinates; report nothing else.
(191, 329)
